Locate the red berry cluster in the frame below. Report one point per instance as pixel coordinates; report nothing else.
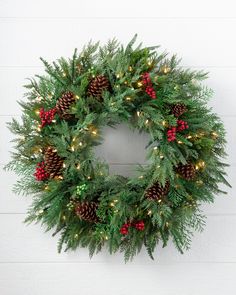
(139, 225)
(46, 116)
(40, 173)
(171, 133)
(146, 80)
(182, 125)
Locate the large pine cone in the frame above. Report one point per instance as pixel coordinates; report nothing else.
(87, 211)
(157, 191)
(64, 104)
(97, 85)
(53, 162)
(187, 171)
(178, 109)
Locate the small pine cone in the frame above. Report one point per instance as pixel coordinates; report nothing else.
(97, 85)
(157, 191)
(178, 109)
(64, 104)
(187, 171)
(53, 162)
(87, 211)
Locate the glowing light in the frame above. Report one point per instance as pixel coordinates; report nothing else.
(149, 212)
(72, 148)
(147, 121)
(166, 69)
(77, 97)
(37, 112)
(78, 166)
(80, 143)
(128, 98)
(180, 142)
(139, 84)
(64, 74)
(141, 176)
(164, 123)
(130, 68)
(64, 165)
(138, 113)
(155, 148)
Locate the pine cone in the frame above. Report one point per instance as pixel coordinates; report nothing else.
(187, 171)
(53, 162)
(87, 211)
(178, 109)
(64, 104)
(157, 191)
(97, 85)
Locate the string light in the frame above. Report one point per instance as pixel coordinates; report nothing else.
(128, 98)
(37, 112)
(141, 176)
(214, 135)
(78, 166)
(39, 128)
(155, 148)
(166, 69)
(189, 136)
(77, 97)
(64, 217)
(200, 165)
(139, 84)
(39, 98)
(161, 156)
(76, 236)
(106, 237)
(89, 177)
(146, 122)
(180, 142)
(112, 204)
(130, 68)
(164, 123)
(149, 212)
(64, 74)
(72, 148)
(80, 143)
(138, 113)
(64, 165)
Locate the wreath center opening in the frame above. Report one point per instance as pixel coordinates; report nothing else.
(122, 149)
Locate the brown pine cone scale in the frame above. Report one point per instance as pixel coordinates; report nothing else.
(53, 162)
(157, 191)
(178, 109)
(97, 85)
(87, 211)
(186, 171)
(64, 104)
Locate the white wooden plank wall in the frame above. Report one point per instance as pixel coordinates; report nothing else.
(203, 33)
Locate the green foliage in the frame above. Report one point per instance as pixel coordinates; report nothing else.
(86, 178)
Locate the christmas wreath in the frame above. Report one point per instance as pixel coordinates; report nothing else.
(73, 192)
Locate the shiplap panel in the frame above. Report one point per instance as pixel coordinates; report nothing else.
(20, 243)
(111, 9)
(13, 78)
(93, 279)
(22, 40)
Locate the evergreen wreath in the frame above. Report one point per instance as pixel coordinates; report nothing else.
(73, 191)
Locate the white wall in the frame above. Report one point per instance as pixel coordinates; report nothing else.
(203, 33)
